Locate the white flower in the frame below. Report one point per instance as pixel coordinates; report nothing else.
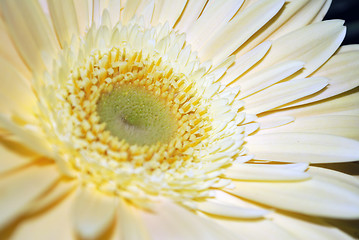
(166, 119)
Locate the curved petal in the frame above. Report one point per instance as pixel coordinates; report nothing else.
(20, 188)
(168, 221)
(54, 224)
(33, 26)
(303, 147)
(325, 194)
(93, 223)
(239, 30)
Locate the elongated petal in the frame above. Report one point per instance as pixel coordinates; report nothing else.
(84, 14)
(245, 62)
(313, 44)
(64, 19)
(19, 188)
(304, 228)
(40, 41)
(239, 30)
(9, 53)
(16, 92)
(54, 224)
(169, 220)
(282, 93)
(213, 18)
(93, 213)
(255, 229)
(333, 196)
(228, 210)
(253, 83)
(130, 225)
(265, 172)
(13, 155)
(171, 11)
(190, 14)
(342, 70)
(303, 147)
(343, 104)
(340, 125)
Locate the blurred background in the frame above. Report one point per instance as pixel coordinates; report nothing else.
(349, 11)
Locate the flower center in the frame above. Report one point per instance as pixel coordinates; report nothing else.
(136, 116)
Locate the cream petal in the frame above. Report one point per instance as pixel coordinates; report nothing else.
(344, 104)
(239, 30)
(56, 193)
(214, 17)
(245, 62)
(9, 52)
(312, 44)
(13, 155)
(289, 11)
(129, 10)
(21, 187)
(29, 138)
(303, 147)
(322, 12)
(171, 11)
(170, 221)
(339, 125)
(282, 93)
(129, 223)
(273, 122)
(91, 224)
(34, 27)
(17, 92)
(190, 14)
(265, 172)
(304, 16)
(254, 229)
(84, 14)
(54, 224)
(157, 12)
(304, 228)
(335, 196)
(342, 70)
(114, 8)
(228, 210)
(64, 19)
(253, 83)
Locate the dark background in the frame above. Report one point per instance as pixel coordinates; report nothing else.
(349, 11)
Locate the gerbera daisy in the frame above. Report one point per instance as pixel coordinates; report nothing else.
(160, 119)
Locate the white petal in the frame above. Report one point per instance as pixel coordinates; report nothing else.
(170, 221)
(64, 18)
(19, 188)
(303, 147)
(312, 44)
(282, 93)
(245, 62)
(171, 11)
(239, 30)
(333, 196)
(213, 18)
(34, 27)
(304, 228)
(342, 70)
(340, 125)
(253, 83)
(84, 14)
(93, 213)
(229, 210)
(190, 14)
(264, 172)
(129, 224)
(13, 155)
(54, 224)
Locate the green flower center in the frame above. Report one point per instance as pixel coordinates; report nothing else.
(135, 115)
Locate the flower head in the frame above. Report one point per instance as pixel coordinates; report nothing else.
(176, 119)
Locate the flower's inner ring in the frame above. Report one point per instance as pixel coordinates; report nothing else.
(106, 136)
(136, 115)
